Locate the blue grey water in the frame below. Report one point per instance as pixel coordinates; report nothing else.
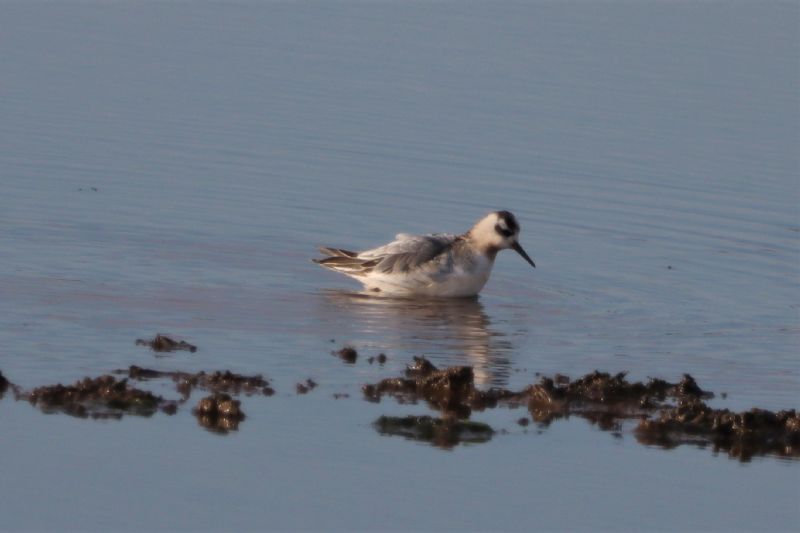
(171, 167)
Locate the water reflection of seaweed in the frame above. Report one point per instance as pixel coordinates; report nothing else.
(450, 330)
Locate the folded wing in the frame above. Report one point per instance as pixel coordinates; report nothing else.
(403, 255)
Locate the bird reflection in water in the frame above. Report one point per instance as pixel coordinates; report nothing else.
(449, 331)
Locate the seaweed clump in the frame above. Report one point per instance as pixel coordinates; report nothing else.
(101, 397)
(109, 397)
(162, 343)
(3, 384)
(598, 395)
(305, 388)
(348, 354)
(217, 381)
(742, 435)
(219, 413)
(669, 414)
(450, 390)
(380, 358)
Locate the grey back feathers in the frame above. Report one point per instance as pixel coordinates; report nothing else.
(403, 255)
(413, 251)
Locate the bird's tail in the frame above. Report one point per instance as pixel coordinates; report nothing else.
(345, 261)
(337, 252)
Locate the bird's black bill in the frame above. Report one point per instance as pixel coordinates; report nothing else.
(517, 248)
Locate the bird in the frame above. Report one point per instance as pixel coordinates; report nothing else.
(434, 265)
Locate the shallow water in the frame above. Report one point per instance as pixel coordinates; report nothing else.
(649, 152)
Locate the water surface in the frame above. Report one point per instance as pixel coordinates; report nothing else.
(172, 168)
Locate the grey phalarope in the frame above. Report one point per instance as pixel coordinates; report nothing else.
(431, 265)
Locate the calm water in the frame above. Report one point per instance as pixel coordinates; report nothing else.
(648, 150)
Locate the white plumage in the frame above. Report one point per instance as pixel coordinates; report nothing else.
(431, 265)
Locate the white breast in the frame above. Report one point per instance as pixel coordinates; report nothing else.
(465, 279)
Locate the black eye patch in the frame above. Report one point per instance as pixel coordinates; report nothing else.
(508, 218)
(505, 232)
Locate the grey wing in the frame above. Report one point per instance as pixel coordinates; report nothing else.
(409, 252)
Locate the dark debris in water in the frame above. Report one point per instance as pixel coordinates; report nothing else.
(380, 358)
(670, 414)
(163, 343)
(3, 385)
(305, 388)
(101, 397)
(742, 435)
(601, 388)
(348, 354)
(451, 391)
(217, 381)
(442, 432)
(110, 397)
(219, 413)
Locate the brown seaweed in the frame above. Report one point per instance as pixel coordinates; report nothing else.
(101, 397)
(451, 390)
(742, 435)
(670, 414)
(304, 388)
(109, 397)
(3, 384)
(162, 343)
(380, 358)
(217, 381)
(348, 354)
(219, 413)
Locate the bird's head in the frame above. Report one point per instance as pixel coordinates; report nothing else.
(498, 231)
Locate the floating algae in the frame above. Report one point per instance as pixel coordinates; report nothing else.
(3, 385)
(304, 388)
(348, 354)
(217, 381)
(742, 435)
(162, 343)
(449, 390)
(107, 397)
(380, 358)
(101, 397)
(219, 413)
(669, 414)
